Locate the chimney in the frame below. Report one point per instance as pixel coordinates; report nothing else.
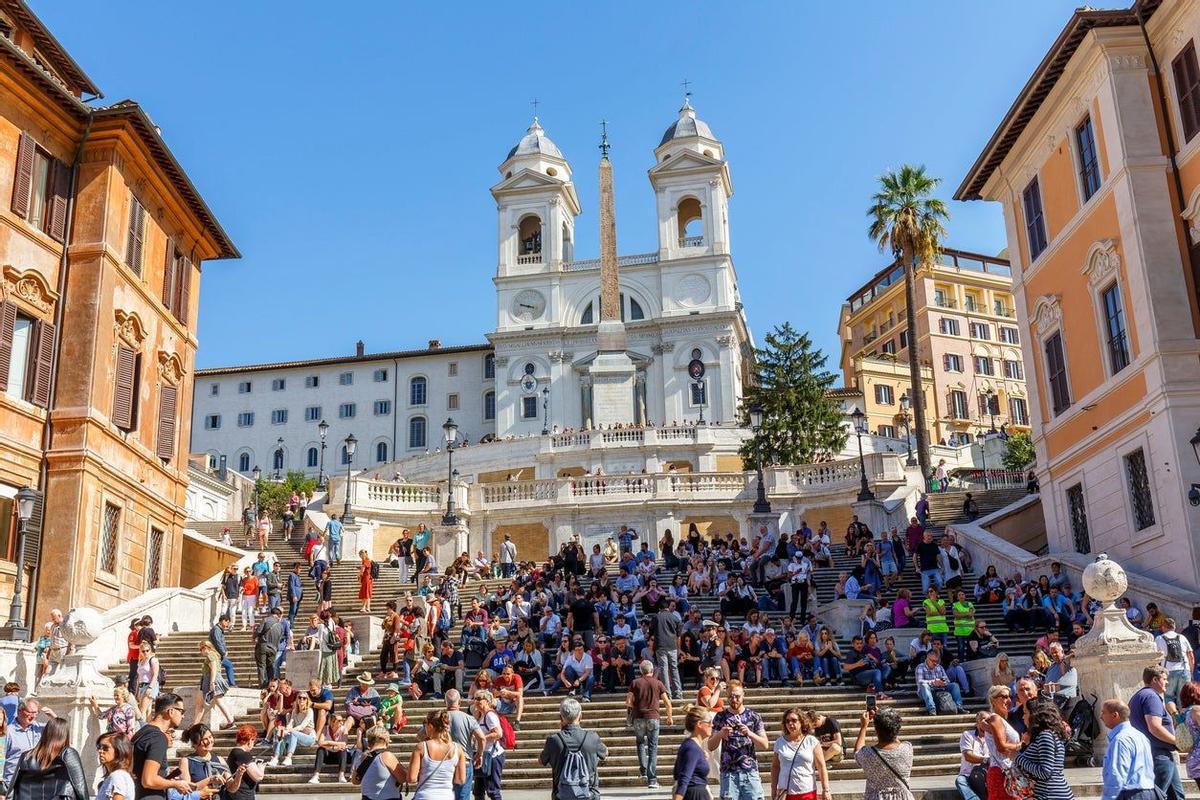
(358, 348)
(434, 344)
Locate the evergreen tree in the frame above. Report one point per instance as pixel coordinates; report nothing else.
(800, 422)
(1019, 454)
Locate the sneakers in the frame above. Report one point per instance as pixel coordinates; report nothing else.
(587, 699)
(342, 778)
(959, 710)
(274, 762)
(287, 762)
(652, 785)
(315, 778)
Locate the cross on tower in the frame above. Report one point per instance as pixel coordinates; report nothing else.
(604, 138)
(535, 103)
(687, 88)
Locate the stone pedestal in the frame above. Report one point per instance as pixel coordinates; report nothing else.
(302, 666)
(366, 627)
(613, 375)
(449, 542)
(843, 616)
(1111, 656)
(357, 536)
(756, 521)
(873, 514)
(979, 671)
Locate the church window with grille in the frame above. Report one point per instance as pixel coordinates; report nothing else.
(1078, 517)
(154, 559)
(1140, 500)
(110, 533)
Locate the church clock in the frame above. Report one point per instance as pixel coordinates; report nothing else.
(528, 305)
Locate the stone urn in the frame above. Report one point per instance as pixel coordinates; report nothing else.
(80, 627)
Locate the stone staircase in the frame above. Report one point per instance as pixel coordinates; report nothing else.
(945, 508)
(935, 738)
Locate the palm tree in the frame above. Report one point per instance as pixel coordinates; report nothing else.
(908, 221)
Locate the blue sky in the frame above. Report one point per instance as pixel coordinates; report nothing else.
(348, 148)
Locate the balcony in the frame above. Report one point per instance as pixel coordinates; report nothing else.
(691, 241)
(622, 261)
(1001, 311)
(943, 302)
(870, 337)
(530, 258)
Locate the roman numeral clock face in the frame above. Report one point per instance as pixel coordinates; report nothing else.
(528, 305)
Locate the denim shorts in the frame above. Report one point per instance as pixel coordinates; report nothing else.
(741, 786)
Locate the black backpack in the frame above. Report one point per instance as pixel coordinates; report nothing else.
(374, 570)
(1174, 648)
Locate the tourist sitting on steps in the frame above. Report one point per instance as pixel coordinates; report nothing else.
(932, 680)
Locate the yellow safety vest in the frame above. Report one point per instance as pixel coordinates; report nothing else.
(964, 618)
(935, 616)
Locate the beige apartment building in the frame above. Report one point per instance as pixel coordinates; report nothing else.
(968, 345)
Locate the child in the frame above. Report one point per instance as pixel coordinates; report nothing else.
(43, 659)
(391, 709)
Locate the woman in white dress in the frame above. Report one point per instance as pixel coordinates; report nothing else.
(437, 763)
(798, 765)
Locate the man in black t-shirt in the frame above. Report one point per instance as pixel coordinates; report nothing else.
(925, 561)
(582, 619)
(150, 765)
(829, 733)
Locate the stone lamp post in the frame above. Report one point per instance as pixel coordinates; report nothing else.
(1109, 658)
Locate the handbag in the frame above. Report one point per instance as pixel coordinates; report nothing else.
(1017, 783)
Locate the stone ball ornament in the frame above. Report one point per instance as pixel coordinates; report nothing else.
(82, 626)
(1104, 580)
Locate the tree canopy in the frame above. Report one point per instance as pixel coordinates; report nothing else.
(1019, 454)
(800, 422)
(273, 496)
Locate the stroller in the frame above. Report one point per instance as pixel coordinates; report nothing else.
(1081, 716)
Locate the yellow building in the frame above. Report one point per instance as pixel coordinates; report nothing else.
(968, 345)
(1097, 165)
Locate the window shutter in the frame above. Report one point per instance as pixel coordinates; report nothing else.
(8, 320)
(24, 177)
(60, 185)
(166, 422)
(122, 415)
(184, 295)
(133, 247)
(39, 390)
(168, 289)
(33, 533)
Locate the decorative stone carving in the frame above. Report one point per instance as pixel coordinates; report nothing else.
(130, 328)
(30, 287)
(80, 627)
(170, 368)
(1047, 313)
(1192, 215)
(501, 361)
(1101, 263)
(1127, 61)
(725, 340)
(692, 290)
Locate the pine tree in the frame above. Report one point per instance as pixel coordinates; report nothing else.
(800, 422)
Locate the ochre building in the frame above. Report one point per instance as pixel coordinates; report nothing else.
(1096, 166)
(968, 346)
(102, 237)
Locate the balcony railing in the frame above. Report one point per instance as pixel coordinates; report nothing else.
(1001, 311)
(530, 258)
(691, 241)
(634, 437)
(944, 302)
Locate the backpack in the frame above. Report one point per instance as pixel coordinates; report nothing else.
(508, 737)
(1174, 648)
(954, 565)
(574, 777)
(374, 570)
(162, 674)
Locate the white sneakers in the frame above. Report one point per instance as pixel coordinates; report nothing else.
(274, 762)
(315, 778)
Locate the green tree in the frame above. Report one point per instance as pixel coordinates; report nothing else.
(1019, 454)
(800, 422)
(273, 496)
(908, 221)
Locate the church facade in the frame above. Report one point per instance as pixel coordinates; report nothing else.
(679, 305)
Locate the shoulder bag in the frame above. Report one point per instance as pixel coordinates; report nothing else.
(891, 769)
(781, 792)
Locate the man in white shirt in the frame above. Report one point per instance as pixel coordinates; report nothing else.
(1178, 658)
(972, 746)
(799, 569)
(577, 671)
(508, 557)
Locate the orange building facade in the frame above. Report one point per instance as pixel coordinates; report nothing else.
(1097, 167)
(101, 240)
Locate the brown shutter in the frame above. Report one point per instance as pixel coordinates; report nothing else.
(133, 246)
(183, 296)
(39, 390)
(122, 415)
(166, 422)
(8, 320)
(24, 177)
(33, 534)
(168, 290)
(60, 185)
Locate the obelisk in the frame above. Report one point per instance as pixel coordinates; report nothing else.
(612, 370)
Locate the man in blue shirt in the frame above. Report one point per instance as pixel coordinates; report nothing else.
(295, 592)
(625, 537)
(1149, 715)
(24, 735)
(1128, 763)
(333, 529)
(422, 537)
(627, 582)
(1059, 610)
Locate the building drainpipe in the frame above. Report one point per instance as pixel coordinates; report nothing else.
(64, 265)
(1176, 180)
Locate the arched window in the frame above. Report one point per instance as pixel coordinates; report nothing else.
(244, 462)
(588, 315)
(489, 366)
(345, 456)
(416, 391)
(312, 456)
(416, 432)
(635, 310)
(489, 405)
(381, 452)
(529, 236)
(691, 223)
(277, 460)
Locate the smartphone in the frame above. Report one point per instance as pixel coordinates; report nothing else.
(871, 703)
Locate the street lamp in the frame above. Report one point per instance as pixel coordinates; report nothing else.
(545, 410)
(323, 429)
(256, 473)
(761, 505)
(15, 630)
(860, 427)
(1194, 492)
(450, 431)
(278, 456)
(351, 446)
(905, 404)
